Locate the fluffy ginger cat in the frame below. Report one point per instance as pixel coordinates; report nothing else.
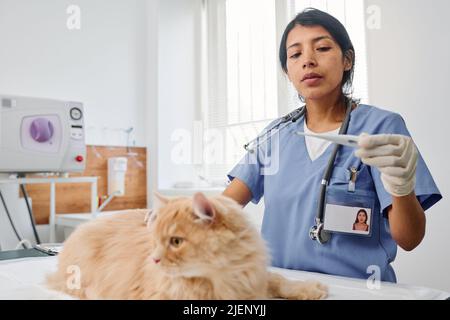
(187, 248)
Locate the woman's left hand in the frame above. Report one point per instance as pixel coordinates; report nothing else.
(396, 158)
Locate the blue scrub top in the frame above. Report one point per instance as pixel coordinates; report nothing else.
(284, 174)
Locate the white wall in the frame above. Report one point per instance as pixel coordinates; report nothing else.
(102, 64)
(178, 82)
(151, 94)
(409, 67)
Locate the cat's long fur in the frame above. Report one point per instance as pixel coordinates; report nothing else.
(221, 256)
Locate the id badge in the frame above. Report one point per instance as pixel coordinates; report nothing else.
(349, 212)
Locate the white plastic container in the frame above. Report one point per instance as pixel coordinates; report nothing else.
(117, 168)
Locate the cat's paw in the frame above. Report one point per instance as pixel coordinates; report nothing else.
(309, 290)
(315, 290)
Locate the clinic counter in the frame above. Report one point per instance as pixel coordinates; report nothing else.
(19, 254)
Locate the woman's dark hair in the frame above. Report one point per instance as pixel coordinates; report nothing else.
(365, 212)
(315, 17)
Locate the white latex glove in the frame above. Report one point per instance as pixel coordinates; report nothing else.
(396, 158)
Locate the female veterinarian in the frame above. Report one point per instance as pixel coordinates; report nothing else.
(313, 188)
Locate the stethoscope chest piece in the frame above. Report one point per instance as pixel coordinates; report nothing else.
(317, 233)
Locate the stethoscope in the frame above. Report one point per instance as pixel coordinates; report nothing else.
(317, 232)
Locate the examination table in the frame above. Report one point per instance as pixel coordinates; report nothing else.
(22, 277)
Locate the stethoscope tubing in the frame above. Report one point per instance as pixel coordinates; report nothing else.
(317, 231)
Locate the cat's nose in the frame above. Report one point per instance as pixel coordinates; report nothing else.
(156, 260)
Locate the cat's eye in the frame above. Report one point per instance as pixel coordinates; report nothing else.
(176, 241)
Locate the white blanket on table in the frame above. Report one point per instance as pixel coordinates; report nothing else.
(23, 279)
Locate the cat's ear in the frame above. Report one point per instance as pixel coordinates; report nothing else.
(203, 209)
(159, 201)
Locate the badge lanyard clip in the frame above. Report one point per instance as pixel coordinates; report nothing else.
(352, 182)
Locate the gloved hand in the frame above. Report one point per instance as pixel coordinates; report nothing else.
(396, 158)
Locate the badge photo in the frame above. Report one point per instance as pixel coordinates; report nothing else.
(343, 219)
